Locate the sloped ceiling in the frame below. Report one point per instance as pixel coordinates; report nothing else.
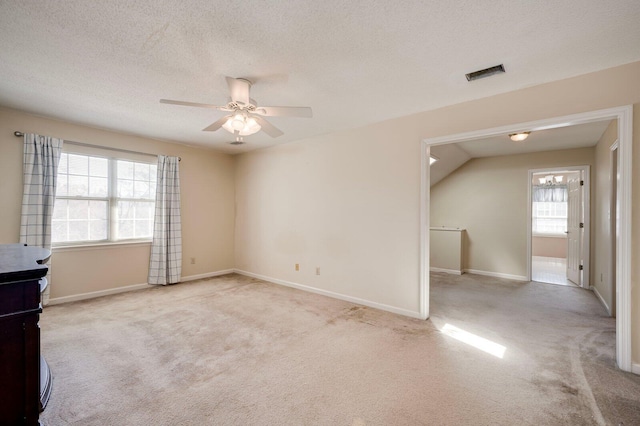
(106, 64)
(453, 156)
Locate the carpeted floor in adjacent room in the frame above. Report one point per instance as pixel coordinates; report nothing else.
(233, 350)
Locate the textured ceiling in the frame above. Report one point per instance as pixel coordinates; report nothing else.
(107, 64)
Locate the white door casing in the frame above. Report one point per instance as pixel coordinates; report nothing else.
(574, 230)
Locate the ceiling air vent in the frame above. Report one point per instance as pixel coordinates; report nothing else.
(488, 72)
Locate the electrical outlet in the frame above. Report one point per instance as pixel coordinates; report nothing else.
(317, 270)
(297, 266)
(193, 260)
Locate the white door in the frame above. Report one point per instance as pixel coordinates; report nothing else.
(574, 230)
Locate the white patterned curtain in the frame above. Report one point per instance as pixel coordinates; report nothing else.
(40, 171)
(165, 264)
(555, 193)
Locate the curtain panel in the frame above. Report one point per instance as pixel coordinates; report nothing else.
(165, 263)
(40, 171)
(555, 194)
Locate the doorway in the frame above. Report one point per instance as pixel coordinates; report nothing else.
(557, 209)
(623, 115)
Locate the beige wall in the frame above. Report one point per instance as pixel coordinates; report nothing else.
(602, 233)
(349, 201)
(207, 186)
(549, 246)
(488, 197)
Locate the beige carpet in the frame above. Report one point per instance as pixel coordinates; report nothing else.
(239, 351)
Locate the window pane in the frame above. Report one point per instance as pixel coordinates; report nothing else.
(126, 210)
(64, 161)
(79, 230)
(125, 229)
(98, 229)
(143, 228)
(60, 210)
(78, 164)
(144, 210)
(78, 186)
(125, 188)
(125, 169)
(98, 210)
(99, 167)
(78, 209)
(62, 185)
(59, 231)
(98, 187)
(141, 171)
(141, 189)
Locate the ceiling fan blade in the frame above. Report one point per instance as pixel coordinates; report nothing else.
(268, 128)
(275, 111)
(239, 90)
(193, 104)
(215, 126)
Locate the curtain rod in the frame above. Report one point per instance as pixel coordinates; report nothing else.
(20, 134)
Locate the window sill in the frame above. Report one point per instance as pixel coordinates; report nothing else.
(98, 246)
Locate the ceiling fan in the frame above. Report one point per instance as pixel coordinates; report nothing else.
(246, 116)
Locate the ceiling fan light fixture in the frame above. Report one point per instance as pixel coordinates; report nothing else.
(519, 137)
(241, 125)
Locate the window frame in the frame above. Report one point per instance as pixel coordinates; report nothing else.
(534, 217)
(112, 198)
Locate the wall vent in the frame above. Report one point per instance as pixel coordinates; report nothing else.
(487, 72)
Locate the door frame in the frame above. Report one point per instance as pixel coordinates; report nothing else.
(614, 153)
(586, 212)
(624, 115)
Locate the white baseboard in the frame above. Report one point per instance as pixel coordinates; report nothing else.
(635, 368)
(497, 275)
(333, 295)
(447, 271)
(597, 293)
(207, 275)
(94, 294)
(124, 289)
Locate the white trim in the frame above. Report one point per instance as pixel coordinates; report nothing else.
(624, 115)
(623, 249)
(446, 271)
(635, 368)
(94, 294)
(124, 289)
(585, 175)
(497, 275)
(333, 295)
(207, 275)
(597, 293)
(425, 196)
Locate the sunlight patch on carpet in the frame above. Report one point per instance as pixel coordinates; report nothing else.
(476, 341)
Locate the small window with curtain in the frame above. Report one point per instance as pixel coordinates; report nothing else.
(103, 199)
(549, 207)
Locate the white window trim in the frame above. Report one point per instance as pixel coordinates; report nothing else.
(111, 199)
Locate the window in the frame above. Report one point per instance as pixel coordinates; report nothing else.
(549, 217)
(102, 199)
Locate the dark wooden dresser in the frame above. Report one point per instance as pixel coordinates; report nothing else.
(25, 380)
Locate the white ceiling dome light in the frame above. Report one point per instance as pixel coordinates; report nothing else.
(519, 137)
